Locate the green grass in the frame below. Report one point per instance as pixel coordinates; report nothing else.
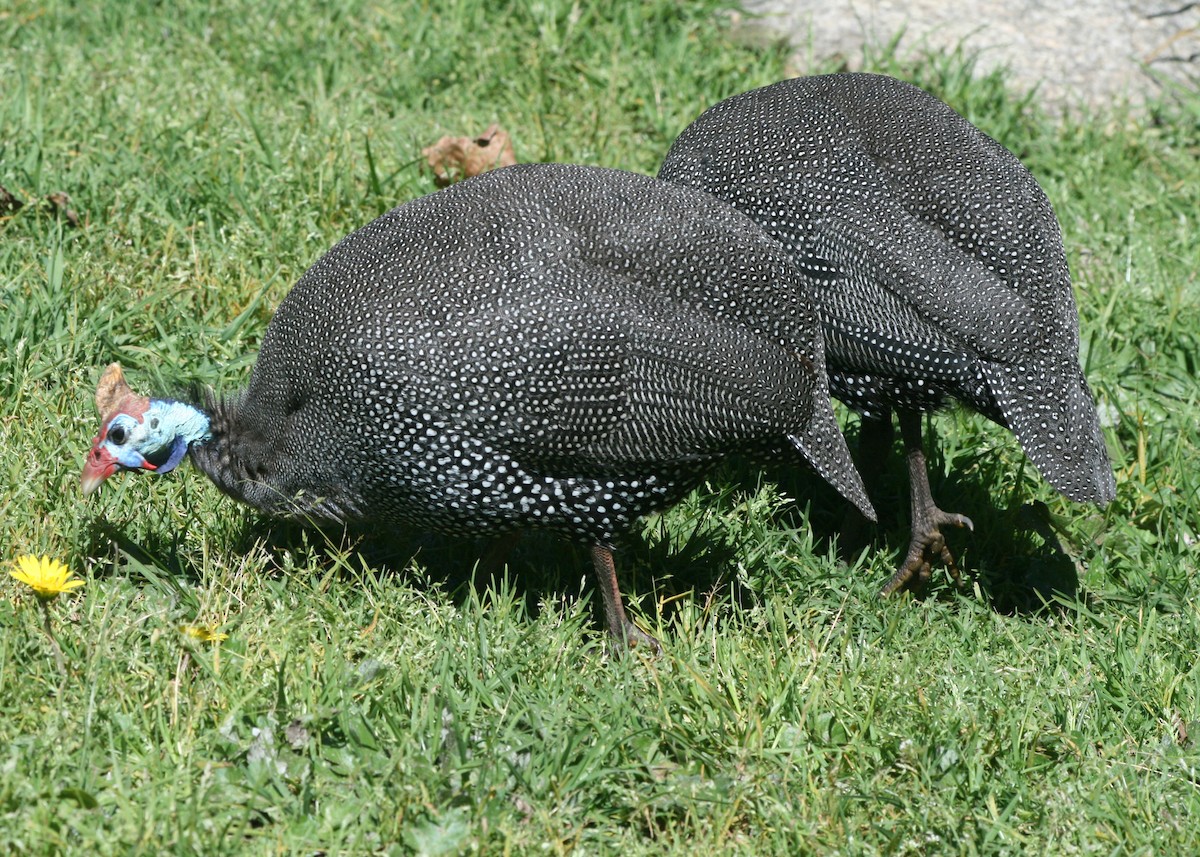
(371, 697)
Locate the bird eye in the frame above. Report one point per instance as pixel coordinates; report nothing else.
(116, 434)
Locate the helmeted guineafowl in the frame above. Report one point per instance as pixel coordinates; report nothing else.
(545, 346)
(935, 261)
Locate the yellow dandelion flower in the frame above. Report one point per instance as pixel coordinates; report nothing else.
(48, 578)
(203, 633)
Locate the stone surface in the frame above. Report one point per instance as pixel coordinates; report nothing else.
(1092, 53)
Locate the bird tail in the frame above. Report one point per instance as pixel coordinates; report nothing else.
(822, 445)
(1055, 419)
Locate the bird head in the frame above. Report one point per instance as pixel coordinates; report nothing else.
(138, 433)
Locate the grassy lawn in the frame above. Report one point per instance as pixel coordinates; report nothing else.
(371, 695)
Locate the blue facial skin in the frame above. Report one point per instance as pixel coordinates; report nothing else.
(159, 440)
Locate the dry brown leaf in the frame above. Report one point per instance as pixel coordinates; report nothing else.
(9, 204)
(62, 205)
(59, 201)
(455, 158)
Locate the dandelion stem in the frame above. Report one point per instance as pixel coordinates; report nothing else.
(58, 655)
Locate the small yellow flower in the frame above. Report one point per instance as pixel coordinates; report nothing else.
(203, 633)
(48, 578)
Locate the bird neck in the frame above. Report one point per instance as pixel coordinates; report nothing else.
(174, 427)
(237, 455)
(187, 421)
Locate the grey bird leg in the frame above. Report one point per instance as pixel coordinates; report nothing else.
(874, 444)
(874, 448)
(625, 634)
(496, 557)
(928, 543)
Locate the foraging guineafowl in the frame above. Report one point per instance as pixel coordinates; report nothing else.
(935, 261)
(558, 347)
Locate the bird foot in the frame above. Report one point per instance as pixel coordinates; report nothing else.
(635, 640)
(928, 545)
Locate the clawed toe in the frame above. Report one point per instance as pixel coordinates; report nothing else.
(636, 640)
(927, 546)
(951, 519)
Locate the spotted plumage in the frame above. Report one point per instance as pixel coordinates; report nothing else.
(934, 259)
(557, 347)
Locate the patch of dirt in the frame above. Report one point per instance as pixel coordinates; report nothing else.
(1090, 53)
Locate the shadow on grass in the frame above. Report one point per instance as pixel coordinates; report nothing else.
(155, 558)
(537, 567)
(1014, 553)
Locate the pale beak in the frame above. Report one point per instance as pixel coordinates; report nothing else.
(99, 466)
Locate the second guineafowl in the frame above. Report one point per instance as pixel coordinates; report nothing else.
(546, 346)
(935, 262)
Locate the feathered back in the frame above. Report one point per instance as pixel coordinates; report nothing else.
(563, 346)
(932, 253)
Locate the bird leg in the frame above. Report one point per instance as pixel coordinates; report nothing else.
(874, 447)
(626, 635)
(928, 544)
(496, 557)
